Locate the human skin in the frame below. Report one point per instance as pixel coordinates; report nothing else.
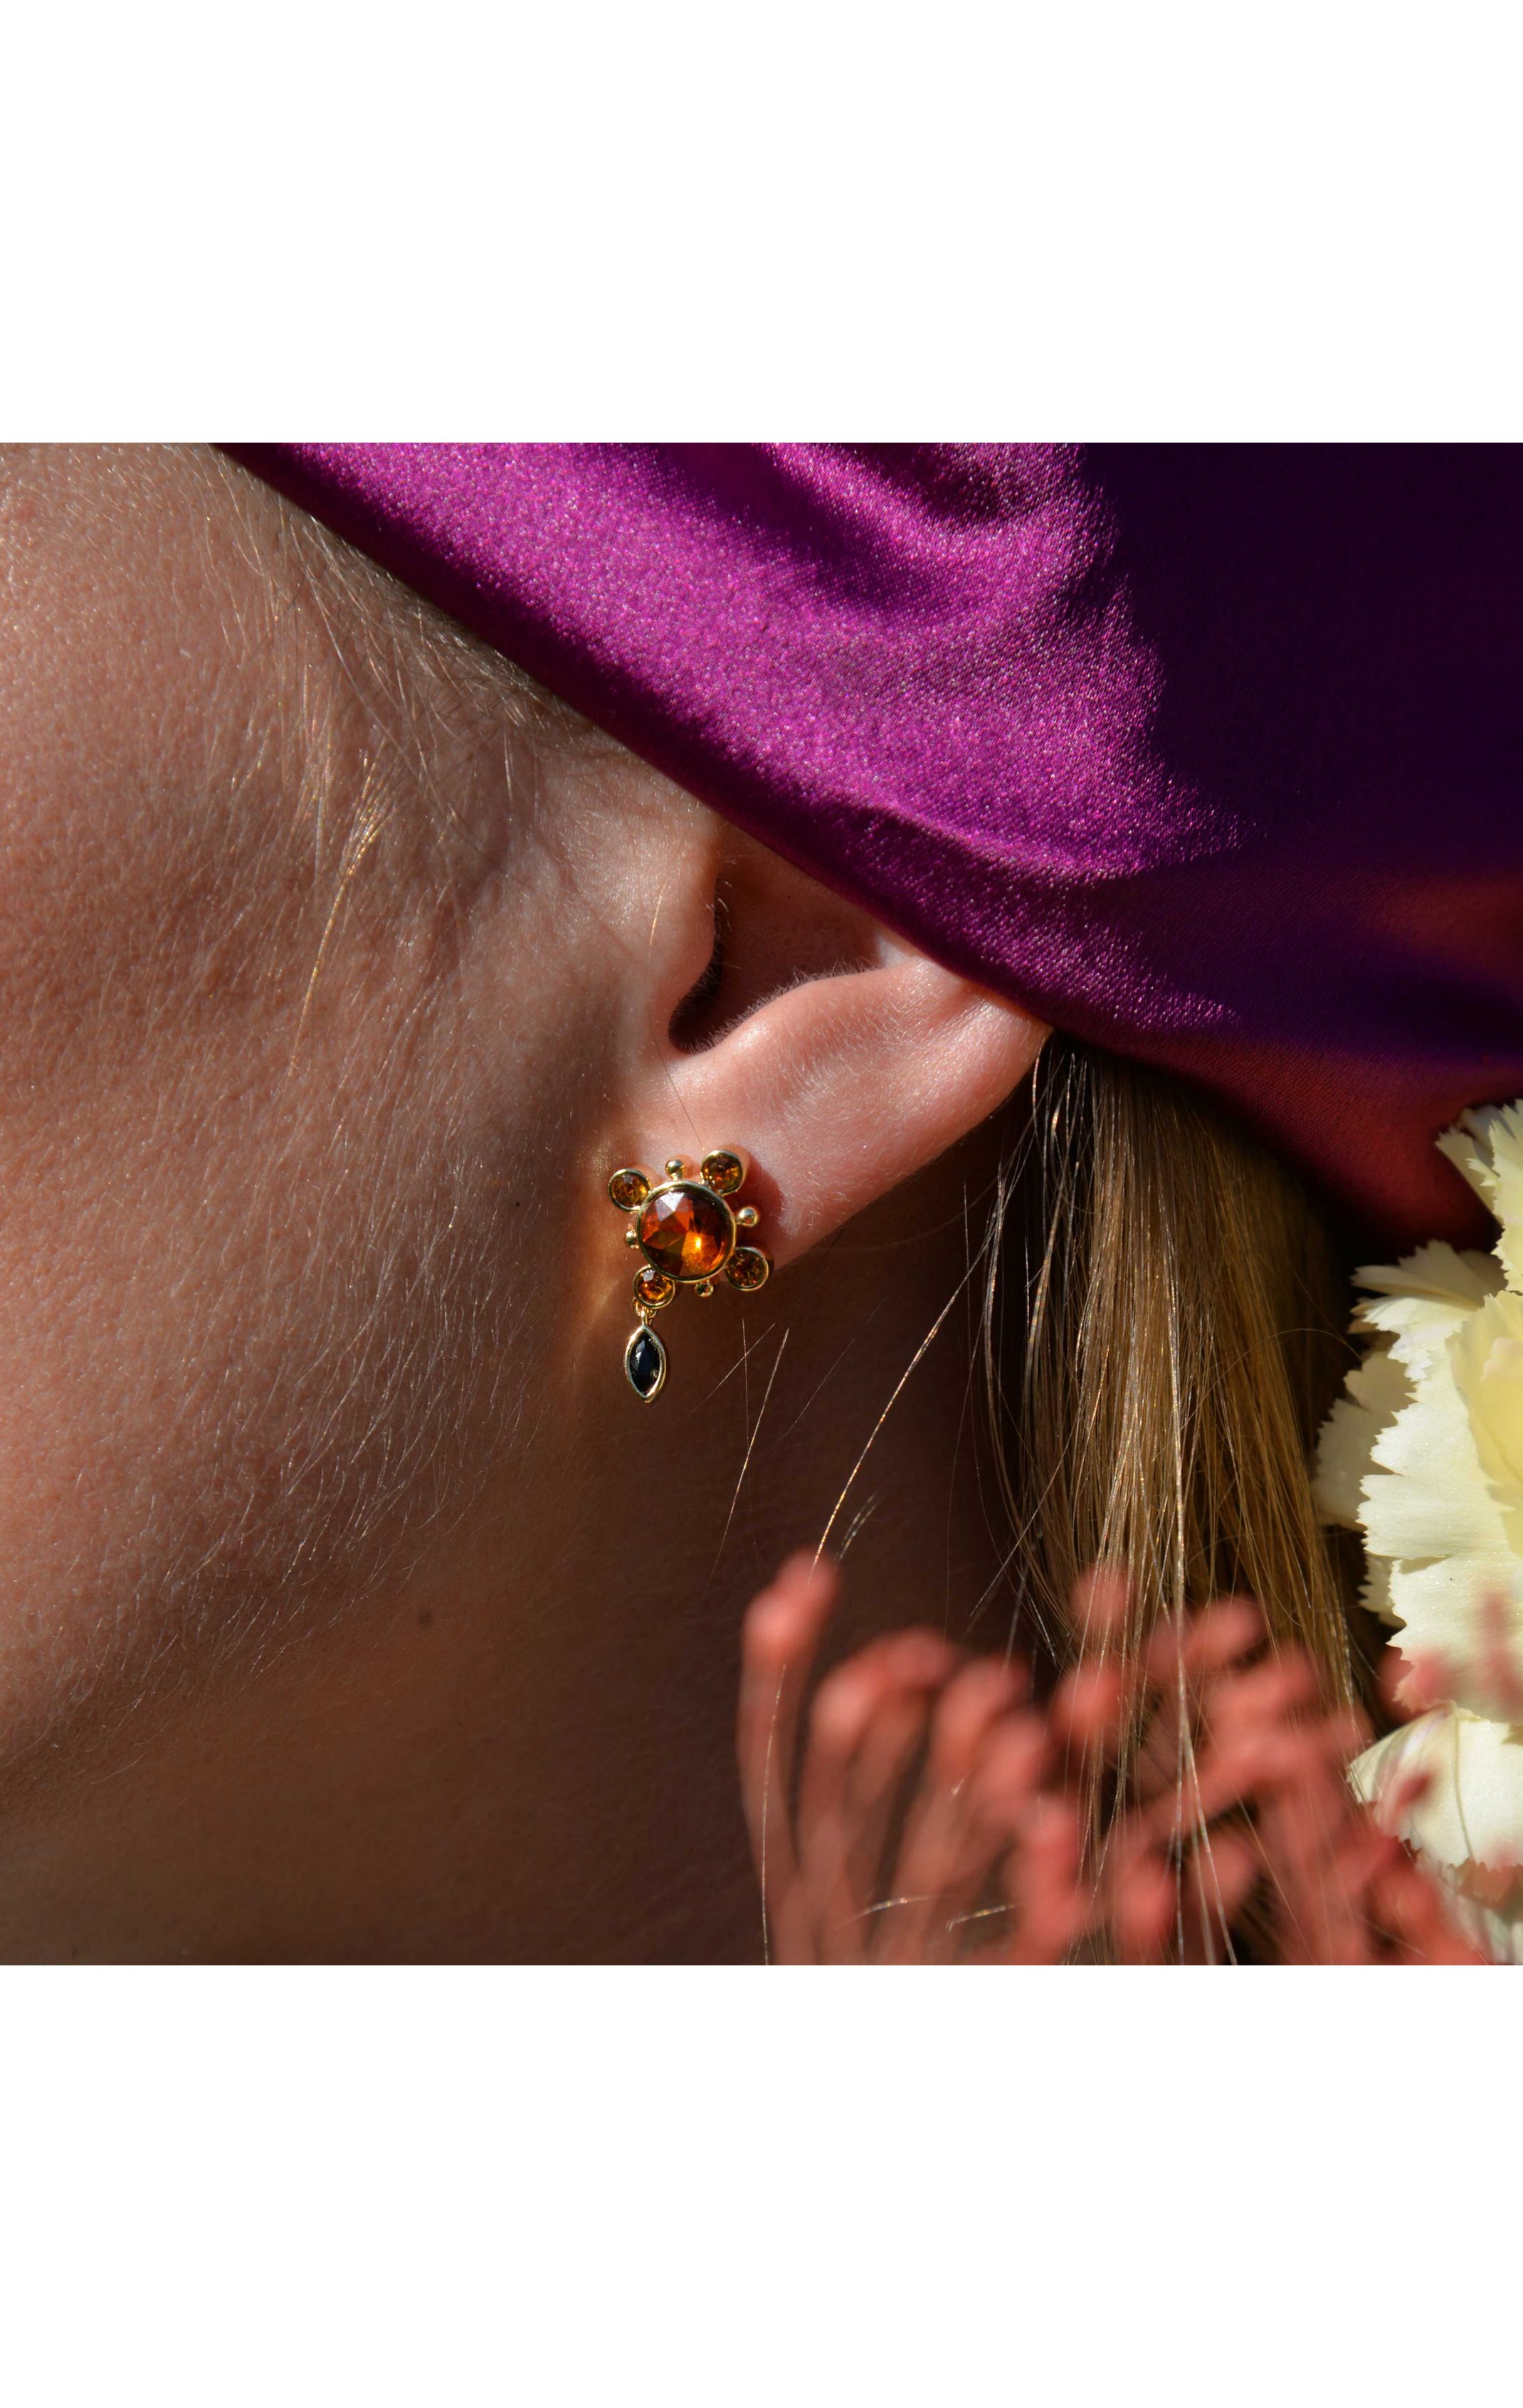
(350, 1606)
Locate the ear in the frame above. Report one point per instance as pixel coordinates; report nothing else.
(837, 1056)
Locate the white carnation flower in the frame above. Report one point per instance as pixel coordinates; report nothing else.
(1467, 1822)
(1424, 1456)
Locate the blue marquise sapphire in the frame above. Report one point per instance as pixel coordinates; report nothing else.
(645, 1364)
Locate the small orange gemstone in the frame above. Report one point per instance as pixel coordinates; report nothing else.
(687, 1230)
(747, 1267)
(655, 1288)
(724, 1171)
(627, 1188)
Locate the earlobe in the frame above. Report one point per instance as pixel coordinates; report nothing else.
(843, 1085)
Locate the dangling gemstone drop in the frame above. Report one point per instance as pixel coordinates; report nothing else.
(645, 1365)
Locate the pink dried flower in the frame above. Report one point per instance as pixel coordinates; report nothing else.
(935, 1814)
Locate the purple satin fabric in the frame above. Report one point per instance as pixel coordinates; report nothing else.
(1207, 753)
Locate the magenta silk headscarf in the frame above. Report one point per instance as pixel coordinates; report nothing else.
(1206, 754)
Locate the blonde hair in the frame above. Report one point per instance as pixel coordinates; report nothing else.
(1179, 1316)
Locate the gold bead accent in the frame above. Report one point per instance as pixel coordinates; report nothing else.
(676, 1166)
(748, 1216)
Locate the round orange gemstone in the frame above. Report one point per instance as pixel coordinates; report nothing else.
(687, 1230)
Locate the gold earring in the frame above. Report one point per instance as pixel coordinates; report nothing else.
(689, 1233)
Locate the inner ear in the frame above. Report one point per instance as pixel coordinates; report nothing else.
(694, 1023)
(774, 928)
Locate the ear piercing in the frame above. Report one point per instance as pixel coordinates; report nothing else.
(689, 1233)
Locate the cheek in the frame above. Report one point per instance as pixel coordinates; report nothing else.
(272, 1250)
(268, 1332)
